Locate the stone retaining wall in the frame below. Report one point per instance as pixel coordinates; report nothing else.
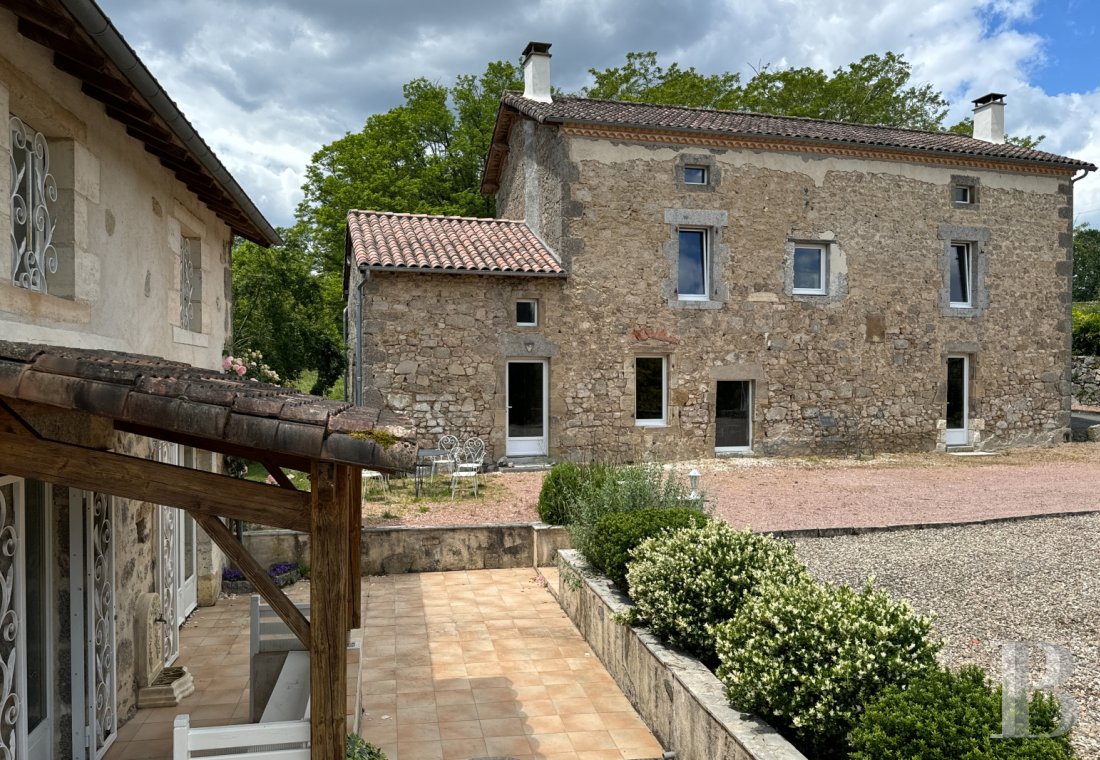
(1086, 380)
(680, 701)
(404, 549)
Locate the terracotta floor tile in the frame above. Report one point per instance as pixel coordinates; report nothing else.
(506, 746)
(463, 729)
(416, 715)
(620, 720)
(463, 749)
(417, 732)
(590, 740)
(595, 754)
(453, 697)
(537, 707)
(502, 727)
(452, 713)
(491, 710)
(416, 699)
(547, 743)
(575, 706)
(419, 750)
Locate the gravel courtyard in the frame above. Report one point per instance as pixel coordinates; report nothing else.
(1035, 580)
(784, 494)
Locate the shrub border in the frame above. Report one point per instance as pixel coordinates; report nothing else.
(680, 701)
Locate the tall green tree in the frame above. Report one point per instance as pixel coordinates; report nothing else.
(423, 156)
(280, 309)
(877, 89)
(1086, 263)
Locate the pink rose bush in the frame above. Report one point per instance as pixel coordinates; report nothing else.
(250, 364)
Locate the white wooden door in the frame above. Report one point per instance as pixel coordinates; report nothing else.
(958, 401)
(177, 572)
(26, 635)
(92, 591)
(527, 420)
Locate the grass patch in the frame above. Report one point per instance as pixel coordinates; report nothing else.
(402, 499)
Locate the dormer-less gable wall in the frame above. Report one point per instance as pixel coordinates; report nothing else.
(127, 236)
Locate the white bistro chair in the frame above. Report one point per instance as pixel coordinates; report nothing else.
(449, 444)
(381, 477)
(467, 464)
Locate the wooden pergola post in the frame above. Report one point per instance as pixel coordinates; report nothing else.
(329, 590)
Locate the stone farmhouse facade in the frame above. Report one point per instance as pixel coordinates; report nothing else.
(683, 282)
(116, 229)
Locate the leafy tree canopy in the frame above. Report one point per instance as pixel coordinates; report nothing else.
(874, 90)
(1086, 263)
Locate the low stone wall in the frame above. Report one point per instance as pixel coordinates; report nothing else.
(678, 698)
(404, 549)
(1086, 380)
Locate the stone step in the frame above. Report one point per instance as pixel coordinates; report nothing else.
(524, 464)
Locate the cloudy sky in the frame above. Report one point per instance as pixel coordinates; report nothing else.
(267, 83)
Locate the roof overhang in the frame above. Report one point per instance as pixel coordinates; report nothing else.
(87, 46)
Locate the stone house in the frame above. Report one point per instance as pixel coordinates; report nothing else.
(117, 232)
(676, 282)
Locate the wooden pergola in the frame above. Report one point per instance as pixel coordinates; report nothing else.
(60, 409)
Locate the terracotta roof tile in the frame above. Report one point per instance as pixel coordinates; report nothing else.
(421, 243)
(613, 112)
(169, 398)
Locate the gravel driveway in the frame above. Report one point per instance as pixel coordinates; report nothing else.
(783, 494)
(1036, 580)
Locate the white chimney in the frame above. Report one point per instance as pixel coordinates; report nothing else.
(536, 71)
(989, 117)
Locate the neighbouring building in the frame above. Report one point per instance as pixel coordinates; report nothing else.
(669, 282)
(117, 235)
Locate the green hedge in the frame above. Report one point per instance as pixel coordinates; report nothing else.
(358, 749)
(615, 535)
(809, 657)
(685, 582)
(948, 716)
(1086, 331)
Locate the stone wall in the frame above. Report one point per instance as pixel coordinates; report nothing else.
(863, 366)
(1086, 380)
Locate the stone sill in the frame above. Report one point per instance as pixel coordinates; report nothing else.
(42, 307)
(681, 702)
(188, 338)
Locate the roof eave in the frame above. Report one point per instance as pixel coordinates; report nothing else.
(96, 24)
(455, 270)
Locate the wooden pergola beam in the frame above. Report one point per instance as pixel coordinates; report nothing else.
(145, 480)
(256, 575)
(328, 593)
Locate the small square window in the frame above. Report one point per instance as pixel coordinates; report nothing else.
(695, 175)
(810, 270)
(963, 194)
(693, 267)
(960, 276)
(650, 391)
(527, 313)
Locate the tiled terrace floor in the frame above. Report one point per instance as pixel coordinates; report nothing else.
(456, 666)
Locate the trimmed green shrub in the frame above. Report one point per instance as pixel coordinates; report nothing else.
(614, 536)
(358, 749)
(808, 657)
(610, 490)
(559, 489)
(1086, 331)
(948, 716)
(685, 582)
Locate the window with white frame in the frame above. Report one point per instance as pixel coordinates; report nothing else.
(650, 390)
(960, 265)
(33, 208)
(693, 268)
(963, 194)
(811, 276)
(190, 283)
(527, 312)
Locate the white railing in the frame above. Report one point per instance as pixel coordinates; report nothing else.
(284, 740)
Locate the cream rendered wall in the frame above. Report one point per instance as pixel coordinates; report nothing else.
(120, 214)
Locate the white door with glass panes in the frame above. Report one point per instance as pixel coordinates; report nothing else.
(177, 541)
(958, 401)
(527, 420)
(27, 662)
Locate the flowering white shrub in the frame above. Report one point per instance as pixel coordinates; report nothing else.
(684, 582)
(810, 657)
(250, 364)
